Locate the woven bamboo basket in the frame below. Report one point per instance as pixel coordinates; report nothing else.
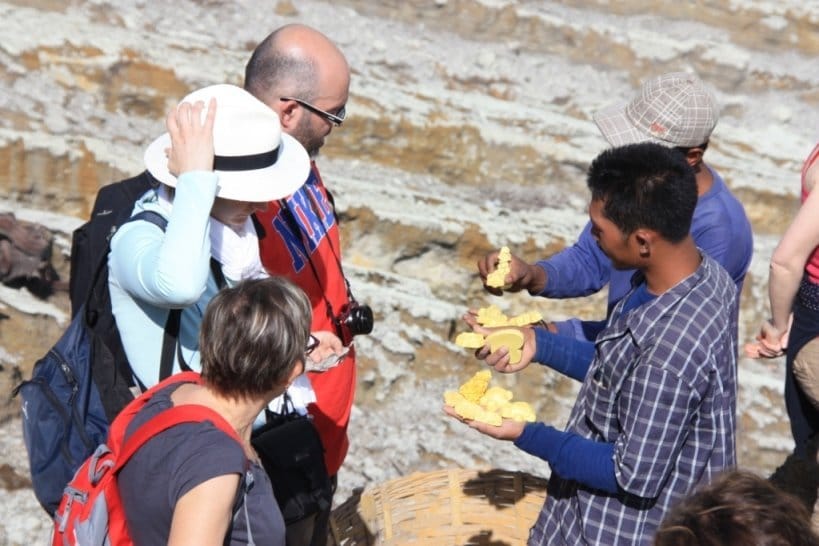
(442, 508)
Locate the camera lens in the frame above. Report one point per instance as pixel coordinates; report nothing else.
(354, 320)
(361, 320)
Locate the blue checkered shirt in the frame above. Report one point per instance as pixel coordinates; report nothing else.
(662, 389)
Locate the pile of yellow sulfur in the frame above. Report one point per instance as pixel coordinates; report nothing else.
(476, 400)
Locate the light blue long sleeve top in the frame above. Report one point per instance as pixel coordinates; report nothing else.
(152, 272)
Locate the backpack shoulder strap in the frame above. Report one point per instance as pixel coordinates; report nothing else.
(257, 225)
(120, 423)
(188, 413)
(109, 199)
(111, 196)
(150, 216)
(117, 431)
(172, 324)
(216, 271)
(172, 329)
(169, 338)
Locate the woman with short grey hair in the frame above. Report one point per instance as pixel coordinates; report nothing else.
(186, 485)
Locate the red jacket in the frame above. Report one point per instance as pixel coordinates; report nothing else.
(283, 253)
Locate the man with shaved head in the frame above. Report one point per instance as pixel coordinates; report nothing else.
(302, 75)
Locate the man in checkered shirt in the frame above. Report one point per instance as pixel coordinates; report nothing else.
(655, 415)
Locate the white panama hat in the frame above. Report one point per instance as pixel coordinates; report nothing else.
(254, 160)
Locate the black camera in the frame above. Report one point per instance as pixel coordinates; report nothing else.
(353, 320)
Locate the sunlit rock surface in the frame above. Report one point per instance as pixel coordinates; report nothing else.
(469, 128)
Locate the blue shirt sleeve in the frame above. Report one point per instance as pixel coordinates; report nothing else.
(721, 229)
(584, 330)
(578, 270)
(591, 328)
(570, 328)
(567, 355)
(571, 456)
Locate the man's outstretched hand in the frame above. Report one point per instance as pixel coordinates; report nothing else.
(521, 276)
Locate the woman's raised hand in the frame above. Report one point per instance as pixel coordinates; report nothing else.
(191, 137)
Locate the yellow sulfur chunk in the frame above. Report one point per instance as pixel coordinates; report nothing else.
(497, 278)
(451, 398)
(499, 393)
(470, 340)
(491, 310)
(495, 398)
(530, 317)
(476, 401)
(496, 322)
(492, 405)
(515, 356)
(489, 417)
(484, 375)
(510, 338)
(476, 386)
(518, 411)
(491, 314)
(472, 390)
(467, 409)
(493, 317)
(471, 410)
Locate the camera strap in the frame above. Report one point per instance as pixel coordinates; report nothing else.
(293, 223)
(315, 208)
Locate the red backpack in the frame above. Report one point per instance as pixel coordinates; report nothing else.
(91, 510)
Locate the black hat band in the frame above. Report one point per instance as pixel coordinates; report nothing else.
(245, 162)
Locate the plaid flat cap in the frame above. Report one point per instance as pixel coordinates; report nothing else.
(674, 109)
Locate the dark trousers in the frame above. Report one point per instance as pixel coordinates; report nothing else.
(312, 530)
(803, 416)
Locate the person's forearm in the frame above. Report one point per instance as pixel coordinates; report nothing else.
(568, 356)
(571, 456)
(789, 259)
(569, 328)
(536, 279)
(170, 268)
(578, 270)
(783, 285)
(592, 328)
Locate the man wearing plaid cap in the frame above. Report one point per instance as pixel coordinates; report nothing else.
(675, 110)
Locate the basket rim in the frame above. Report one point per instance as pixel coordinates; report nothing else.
(450, 504)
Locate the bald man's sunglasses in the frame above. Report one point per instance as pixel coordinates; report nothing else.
(336, 119)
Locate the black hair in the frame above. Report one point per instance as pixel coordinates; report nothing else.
(645, 185)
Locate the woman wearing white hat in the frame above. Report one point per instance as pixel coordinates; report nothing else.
(223, 158)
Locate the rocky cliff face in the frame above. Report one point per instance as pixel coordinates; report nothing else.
(469, 128)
